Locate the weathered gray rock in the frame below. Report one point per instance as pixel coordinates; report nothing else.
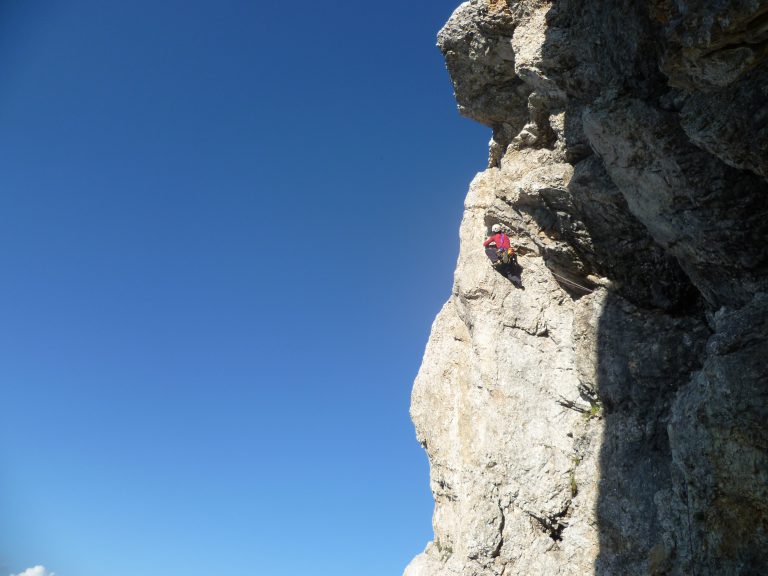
(705, 213)
(711, 43)
(610, 418)
(719, 436)
(732, 122)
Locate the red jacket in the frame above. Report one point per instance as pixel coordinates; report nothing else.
(501, 240)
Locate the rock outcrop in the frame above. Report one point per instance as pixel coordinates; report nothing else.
(610, 418)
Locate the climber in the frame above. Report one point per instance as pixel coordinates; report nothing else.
(502, 255)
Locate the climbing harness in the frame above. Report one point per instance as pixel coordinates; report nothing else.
(505, 252)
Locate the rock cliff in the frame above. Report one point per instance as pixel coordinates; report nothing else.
(610, 418)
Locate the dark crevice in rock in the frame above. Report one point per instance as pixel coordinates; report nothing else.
(497, 551)
(553, 525)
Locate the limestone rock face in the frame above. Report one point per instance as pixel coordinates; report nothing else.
(611, 417)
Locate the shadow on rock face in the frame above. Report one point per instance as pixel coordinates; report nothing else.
(644, 358)
(677, 219)
(512, 271)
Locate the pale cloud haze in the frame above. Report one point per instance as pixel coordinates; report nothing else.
(36, 571)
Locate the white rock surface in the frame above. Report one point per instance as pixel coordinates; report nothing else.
(610, 417)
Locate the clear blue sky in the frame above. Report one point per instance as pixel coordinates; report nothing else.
(225, 230)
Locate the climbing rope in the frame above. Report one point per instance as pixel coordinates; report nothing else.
(524, 251)
(572, 283)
